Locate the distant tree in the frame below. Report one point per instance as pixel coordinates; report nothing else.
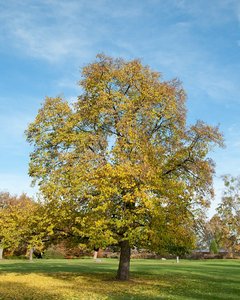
(33, 228)
(216, 230)
(208, 231)
(122, 159)
(9, 237)
(213, 247)
(229, 213)
(22, 223)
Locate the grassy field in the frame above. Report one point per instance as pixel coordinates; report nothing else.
(150, 279)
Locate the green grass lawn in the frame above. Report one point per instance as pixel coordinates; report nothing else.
(150, 279)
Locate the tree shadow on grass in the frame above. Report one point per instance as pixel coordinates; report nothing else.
(21, 291)
(85, 278)
(235, 264)
(157, 287)
(73, 286)
(55, 266)
(162, 287)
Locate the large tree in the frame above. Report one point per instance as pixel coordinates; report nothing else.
(123, 160)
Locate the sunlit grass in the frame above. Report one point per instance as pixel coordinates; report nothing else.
(150, 279)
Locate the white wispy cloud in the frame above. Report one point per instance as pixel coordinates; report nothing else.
(44, 33)
(59, 30)
(219, 84)
(208, 12)
(43, 43)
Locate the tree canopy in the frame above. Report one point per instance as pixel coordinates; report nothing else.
(122, 160)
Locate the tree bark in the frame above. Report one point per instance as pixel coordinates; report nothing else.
(95, 255)
(124, 263)
(31, 254)
(1, 253)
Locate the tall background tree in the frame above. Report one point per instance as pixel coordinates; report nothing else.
(229, 214)
(209, 232)
(24, 224)
(123, 160)
(9, 238)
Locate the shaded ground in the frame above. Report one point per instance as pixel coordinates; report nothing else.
(150, 279)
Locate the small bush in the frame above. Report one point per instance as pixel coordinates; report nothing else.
(52, 253)
(17, 257)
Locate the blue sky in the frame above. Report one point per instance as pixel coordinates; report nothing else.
(44, 43)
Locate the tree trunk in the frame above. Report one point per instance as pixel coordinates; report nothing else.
(124, 263)
(1, 253)
(31, 254)
(95, 255)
